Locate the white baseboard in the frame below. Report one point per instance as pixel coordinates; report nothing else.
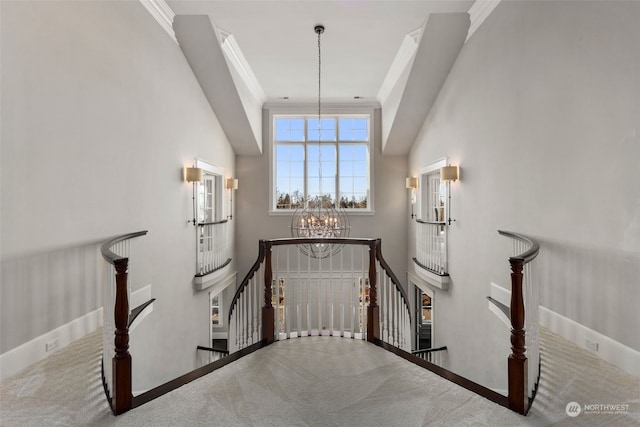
(25, 355)
(594, 342)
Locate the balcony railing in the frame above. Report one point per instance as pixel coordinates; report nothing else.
(431, 246)
(213, 246)
(350, 294)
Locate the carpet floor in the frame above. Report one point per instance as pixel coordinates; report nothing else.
(319, 381)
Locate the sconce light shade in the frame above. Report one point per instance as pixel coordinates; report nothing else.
(193, 174)
(449, 173)
(232, 183)
(412, 182)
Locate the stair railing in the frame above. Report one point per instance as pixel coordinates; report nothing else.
(523, 369)
(352, 293)
(432, 355)
(116, 359)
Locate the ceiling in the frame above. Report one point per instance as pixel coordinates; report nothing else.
(277, 39)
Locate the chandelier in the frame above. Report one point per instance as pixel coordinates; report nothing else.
(320, 218)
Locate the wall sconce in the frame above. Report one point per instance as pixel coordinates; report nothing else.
(231, 184)
(412, 184)
(194, 176)
(449, 174)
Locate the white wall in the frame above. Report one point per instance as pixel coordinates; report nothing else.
(100, 113)
(542, 113)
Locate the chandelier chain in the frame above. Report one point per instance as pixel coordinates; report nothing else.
(319, 218)
(319, 30)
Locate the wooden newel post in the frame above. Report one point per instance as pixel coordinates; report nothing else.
(373, 311)
(122, 395)
(517, 365)
(268, 312)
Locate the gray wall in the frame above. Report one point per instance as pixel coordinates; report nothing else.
(542, 113)
(100, 113)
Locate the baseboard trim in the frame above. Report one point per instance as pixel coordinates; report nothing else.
(608, 349)
(25, 355)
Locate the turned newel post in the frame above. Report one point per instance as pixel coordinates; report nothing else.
(268, 312)
(122, 395)
(517, 364)
(373, 311)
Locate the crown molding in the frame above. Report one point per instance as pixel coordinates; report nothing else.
(400, 62)
(478, 12)
(234, 55)
(329, 106)
(163, 14)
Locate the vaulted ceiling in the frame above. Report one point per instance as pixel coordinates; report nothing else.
(391, 54)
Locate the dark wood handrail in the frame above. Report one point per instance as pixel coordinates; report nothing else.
(223, 265)
(517, 363)
(112, 257)
(321, 240)
(390, 273)
(222, 221)
(429, 350)
(122, 400)
(420, 221)
(252, 271)
(424, 267)
(528, 255)
(503, 308)
(211, 349)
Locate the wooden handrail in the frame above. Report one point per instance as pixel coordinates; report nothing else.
(420, 221)
(387, 269)
(252, 271)
(321, 240)
(429, 350)
(518, 393)
(503, 308)
(222, 221)
(211, 349)
(528, 255)
(121, 364)
(110, 256)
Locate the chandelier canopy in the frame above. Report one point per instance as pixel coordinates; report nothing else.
(320, 218)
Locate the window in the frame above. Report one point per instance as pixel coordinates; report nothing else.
(212, 229)
(431, 228)
(328, 157)
(210, 193)
(424, 303)
(216, 311)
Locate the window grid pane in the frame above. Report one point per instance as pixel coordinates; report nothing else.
(289, 129)
(354, 186)
(342, 162)
(290, 176)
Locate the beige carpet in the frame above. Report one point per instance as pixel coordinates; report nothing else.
(317, 381)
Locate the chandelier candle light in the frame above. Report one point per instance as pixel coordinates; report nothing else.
(320, 218)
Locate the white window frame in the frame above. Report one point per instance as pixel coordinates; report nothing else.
(309, 111)
(424, 287)
(209, 169)
(423, 196)
(213, 327)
